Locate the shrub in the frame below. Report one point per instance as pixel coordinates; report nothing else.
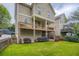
(71, 38)
(42, 39)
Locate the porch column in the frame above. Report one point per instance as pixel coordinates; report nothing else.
(18, 34)
(17, 30)
(33, 28)
(46, 27)
(54, 35)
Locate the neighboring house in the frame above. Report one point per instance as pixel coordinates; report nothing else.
(67, 30)
(35, 20)
(59, 23)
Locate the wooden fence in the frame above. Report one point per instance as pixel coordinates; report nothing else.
(4, 43)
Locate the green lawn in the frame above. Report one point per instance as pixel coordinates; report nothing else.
(43, 49)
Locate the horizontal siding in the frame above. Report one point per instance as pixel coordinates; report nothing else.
(24, 10)
(45, 9)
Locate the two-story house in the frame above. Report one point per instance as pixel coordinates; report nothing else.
(35, 20)
(59, 24)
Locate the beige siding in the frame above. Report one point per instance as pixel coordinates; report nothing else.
(45, 9)
(57, 28)
(24, 10)
(39, 26)
(26, 32)
(59, 24)
(23, 13)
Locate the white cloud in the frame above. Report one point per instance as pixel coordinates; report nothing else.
(67, 9)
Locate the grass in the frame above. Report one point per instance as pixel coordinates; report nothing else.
(42, 49)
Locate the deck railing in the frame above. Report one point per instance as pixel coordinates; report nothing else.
(4, 43)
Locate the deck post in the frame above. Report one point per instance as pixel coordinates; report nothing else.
(33, 28)
(16, 23)
(46, 27)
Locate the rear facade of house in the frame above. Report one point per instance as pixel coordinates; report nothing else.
(33, 21)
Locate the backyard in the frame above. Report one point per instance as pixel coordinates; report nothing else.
(61, 48)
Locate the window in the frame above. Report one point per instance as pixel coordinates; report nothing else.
(49, 14)
(27, 20)
(39, 10)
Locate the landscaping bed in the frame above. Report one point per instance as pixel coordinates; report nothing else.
(60, 48)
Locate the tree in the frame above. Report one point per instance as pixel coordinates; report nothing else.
(75, 28)
(12, 28)
(4, 17)
(75, 14)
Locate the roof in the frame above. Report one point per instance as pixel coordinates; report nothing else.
(25, 4)
(59, 16)
(68, 30)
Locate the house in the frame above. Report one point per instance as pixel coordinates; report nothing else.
(59, 24)
(35, 20)
(68, 29)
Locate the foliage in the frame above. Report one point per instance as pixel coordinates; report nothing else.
(12, 28)
(72, 38)
(4, 17)
(42, 39)
(75, 28)
(65, 19)
(75, 14)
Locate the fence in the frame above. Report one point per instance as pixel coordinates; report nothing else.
(4, 43)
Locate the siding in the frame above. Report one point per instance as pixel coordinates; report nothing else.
(45, 9)
(22, 11)
(60, 20)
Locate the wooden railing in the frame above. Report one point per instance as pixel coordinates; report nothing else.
(4, 43)
(27, 26)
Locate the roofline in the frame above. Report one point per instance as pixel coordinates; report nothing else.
(30, 6)
(27, 5)
(52, 8)
(60, 15)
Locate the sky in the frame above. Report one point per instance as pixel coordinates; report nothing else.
(66, 8)
(10, 7)
(59, 8)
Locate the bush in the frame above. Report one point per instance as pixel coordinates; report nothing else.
(42, 39)
(71, 38)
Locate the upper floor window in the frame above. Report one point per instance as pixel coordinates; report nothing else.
(49, 14)
(27, 20)
(39, 10)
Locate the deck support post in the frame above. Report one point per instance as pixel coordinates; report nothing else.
(17, 29)
(33, 28)
(46, 28)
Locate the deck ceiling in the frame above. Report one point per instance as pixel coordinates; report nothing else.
(43, 18)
